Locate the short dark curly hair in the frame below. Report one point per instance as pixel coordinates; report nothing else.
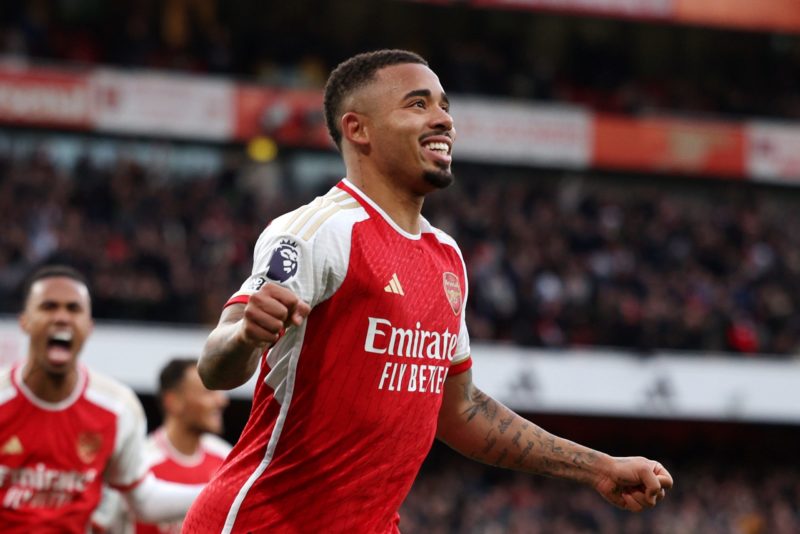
(51, 271)
(353, 74)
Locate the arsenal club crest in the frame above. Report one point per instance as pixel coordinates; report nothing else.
(89, 444)
(452, 290)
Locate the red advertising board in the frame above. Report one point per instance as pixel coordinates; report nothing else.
(769, 15)
(669, 145)
(775, 15)
(291, 117)
(44, 98)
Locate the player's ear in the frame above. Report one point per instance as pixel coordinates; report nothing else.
(24, 322)
(355, 129)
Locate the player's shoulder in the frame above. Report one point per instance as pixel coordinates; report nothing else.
(215, 445)
(111, 394)
(155, 450)
(7, 389)
(333, 213)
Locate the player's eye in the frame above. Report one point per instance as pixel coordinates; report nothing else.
(419, 104)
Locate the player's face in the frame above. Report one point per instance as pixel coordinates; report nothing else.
(413, 133)
(201, 409)
(57, 317)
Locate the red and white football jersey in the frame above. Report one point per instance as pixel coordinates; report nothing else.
(54, 457)
(167, 463)
(346, 406)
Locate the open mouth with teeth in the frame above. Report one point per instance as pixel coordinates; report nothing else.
(59, 348)
(438, 151)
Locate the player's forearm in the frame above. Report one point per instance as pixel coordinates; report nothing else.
(227, 361)
(486, 431)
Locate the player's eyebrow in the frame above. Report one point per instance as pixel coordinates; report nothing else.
(417, 92)
(426, 93)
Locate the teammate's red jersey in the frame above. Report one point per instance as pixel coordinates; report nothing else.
(54, 457)
(346, 406)
(167, 463)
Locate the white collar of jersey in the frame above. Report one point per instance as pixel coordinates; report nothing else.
(174, 454)
(407, 235)
(51, 406)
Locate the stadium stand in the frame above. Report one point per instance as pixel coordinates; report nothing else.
(575, 260)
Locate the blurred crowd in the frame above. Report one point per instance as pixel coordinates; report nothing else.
(154, 250)
(609, 65)
(584, 262)
(469, 498)
(553, 261)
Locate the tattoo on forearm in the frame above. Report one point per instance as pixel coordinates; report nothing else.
(512, 442)
(481, 404)
(502, 457)
(524, 454)
(490, 441)
(551, 441)
(505, 423)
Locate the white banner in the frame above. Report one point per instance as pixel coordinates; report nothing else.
(773, 151)
(662, 386)
(500, 131)
(163, 105)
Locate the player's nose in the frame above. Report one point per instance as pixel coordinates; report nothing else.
(441, 119)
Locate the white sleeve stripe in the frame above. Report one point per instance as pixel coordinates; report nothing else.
(325, 211)
(312, 210)
(330, 213)
(337, 195)
(301, 210)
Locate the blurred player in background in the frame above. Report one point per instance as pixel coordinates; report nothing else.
(65, 429)
(185, 448)
(360, 305)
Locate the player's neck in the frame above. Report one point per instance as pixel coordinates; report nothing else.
(49, 387)
(401, 204)
(181, 438)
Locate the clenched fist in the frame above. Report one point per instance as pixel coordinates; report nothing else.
(634, 483)
(268, 312)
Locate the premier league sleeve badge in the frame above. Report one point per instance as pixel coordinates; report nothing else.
(283, 262)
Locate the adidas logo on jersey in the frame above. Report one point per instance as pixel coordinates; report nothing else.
(394, 286)
(12, 446)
